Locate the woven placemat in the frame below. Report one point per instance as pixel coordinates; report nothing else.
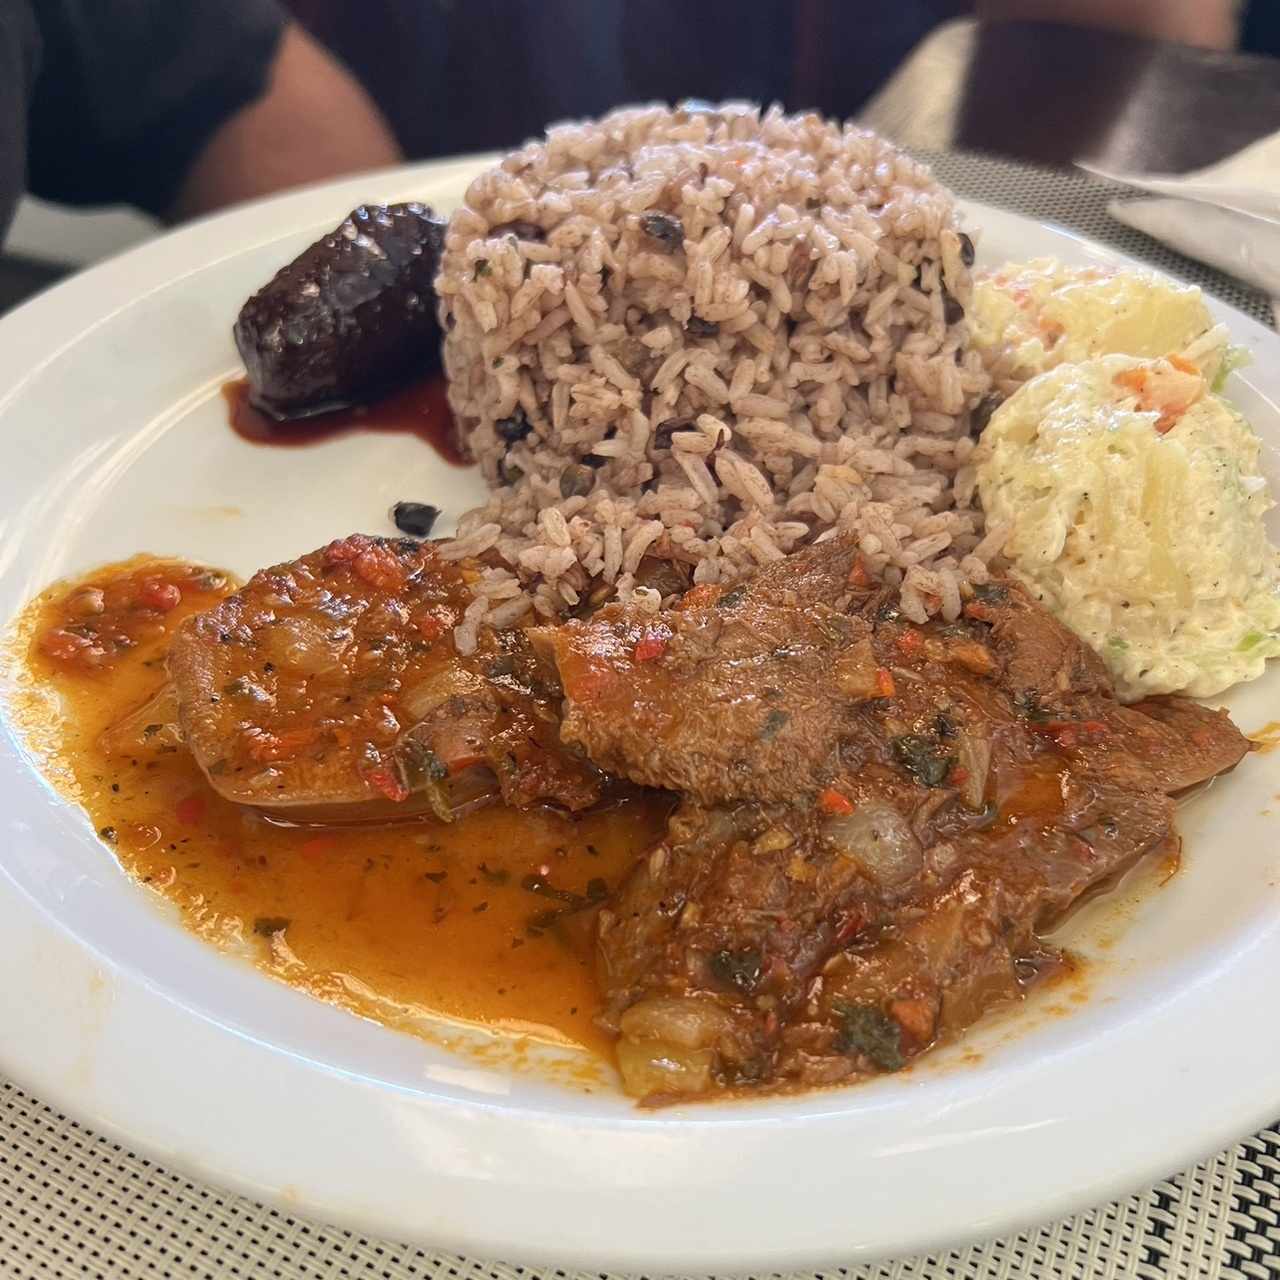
(75, 1206)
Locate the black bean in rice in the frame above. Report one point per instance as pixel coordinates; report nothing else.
(750, 326)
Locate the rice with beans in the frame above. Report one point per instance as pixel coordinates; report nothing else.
(683, 343)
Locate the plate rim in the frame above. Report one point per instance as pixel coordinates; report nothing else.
(27, 928)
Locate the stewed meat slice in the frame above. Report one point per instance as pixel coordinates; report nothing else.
(764, 944)
(1061, 687)
(734, 694)
(718, 927)
(971, 799)
(762, 691)
(972, 938)
(1187, 743)
(330, 687)
(1044, 662)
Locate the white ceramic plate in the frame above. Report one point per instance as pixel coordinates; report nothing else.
(114, 442)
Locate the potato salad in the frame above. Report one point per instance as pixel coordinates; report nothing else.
(1134, 502)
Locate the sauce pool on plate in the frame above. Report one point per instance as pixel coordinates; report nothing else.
(421, 410)
(465, 920)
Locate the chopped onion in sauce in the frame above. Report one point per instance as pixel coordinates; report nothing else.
(880, 840)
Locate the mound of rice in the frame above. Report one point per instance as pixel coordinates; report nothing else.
(709, 336)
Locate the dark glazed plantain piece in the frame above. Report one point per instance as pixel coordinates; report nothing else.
(349, 317)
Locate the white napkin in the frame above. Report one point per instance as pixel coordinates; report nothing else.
(1227, 215)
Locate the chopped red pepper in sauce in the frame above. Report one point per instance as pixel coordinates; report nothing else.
(190, 809)
(372, 560)
(835, 802)
(653, 644)
(92, 627)
(390, 784)
(160, 595)
(910, 642)
(1072, 733)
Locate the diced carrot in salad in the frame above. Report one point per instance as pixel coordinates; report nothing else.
(1169, 387)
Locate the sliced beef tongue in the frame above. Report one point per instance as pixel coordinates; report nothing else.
(1057, 680)
(713, 939)
(729, 696)
(829, 907)
(1185, 743)
(763, 691)
(1044, 662)
(767, 944)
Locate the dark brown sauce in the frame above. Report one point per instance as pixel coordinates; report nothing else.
(388, 921)
(421, 410)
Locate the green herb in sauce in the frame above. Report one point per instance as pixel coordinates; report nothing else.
(867, 1030)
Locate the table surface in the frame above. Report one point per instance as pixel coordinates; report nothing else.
(1051, 95)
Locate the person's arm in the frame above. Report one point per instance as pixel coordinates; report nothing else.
(314, 121)
(1211, 24)
(183, 106)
